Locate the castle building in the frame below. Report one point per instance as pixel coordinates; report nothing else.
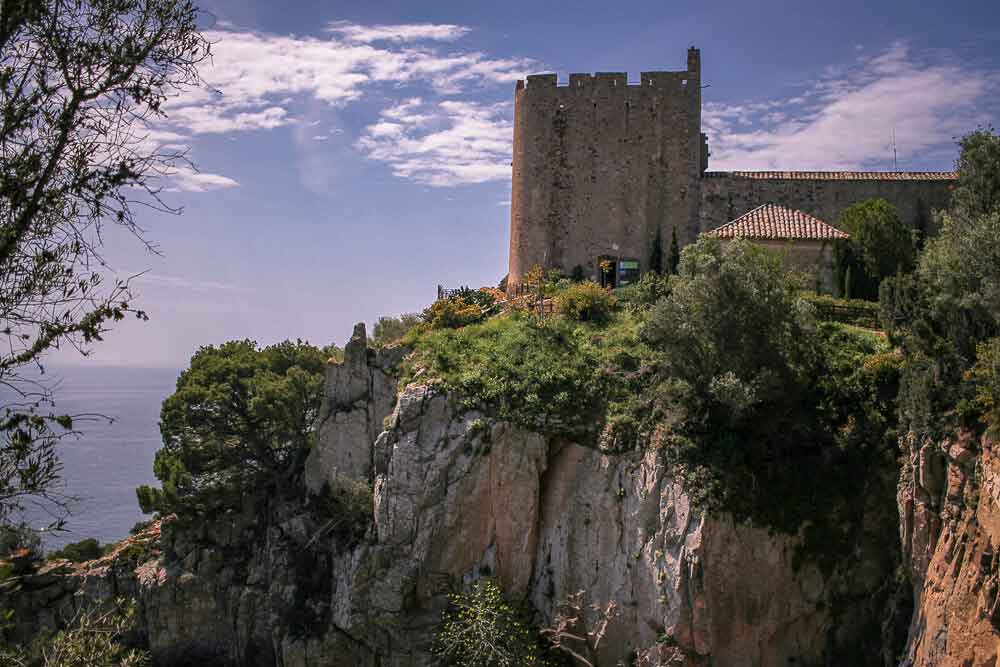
(603, 168)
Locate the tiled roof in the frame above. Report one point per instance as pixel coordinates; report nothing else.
(771, 221)
(839, 175)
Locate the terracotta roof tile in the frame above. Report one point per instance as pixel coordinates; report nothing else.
(771, 221)
(839, 175)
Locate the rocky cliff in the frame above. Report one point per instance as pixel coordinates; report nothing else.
(456, 496)
(950, 528)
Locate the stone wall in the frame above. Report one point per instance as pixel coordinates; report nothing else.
(728, 195)
(600, 165)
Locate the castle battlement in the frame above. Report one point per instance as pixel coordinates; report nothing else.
(618, 80)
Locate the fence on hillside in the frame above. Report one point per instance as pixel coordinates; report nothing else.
(862, 316)
(544, 306)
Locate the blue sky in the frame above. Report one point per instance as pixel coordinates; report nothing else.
(353, 155)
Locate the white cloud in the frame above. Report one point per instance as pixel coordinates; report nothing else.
(444, 144)
(413, 32)
(186, 179)
(260, 81)
(846, 121)
(253, 77)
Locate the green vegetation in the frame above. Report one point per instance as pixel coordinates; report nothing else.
(239, 424)
(584, 302)
(978, 191)
(484, 629)
(674, 258)
(82, 551)
(721, 368)
(461, 308)
(858, 312)
(390, 330)
(880, 246)
(942, 315)
(656, 254)
(538, 376)
(95, 637)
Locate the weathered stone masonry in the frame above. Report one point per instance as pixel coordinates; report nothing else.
(601, 166)
(727, 195)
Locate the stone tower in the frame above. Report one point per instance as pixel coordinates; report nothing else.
(601, 166)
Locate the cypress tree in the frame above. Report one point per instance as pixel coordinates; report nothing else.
(656, 256)
(675, 252)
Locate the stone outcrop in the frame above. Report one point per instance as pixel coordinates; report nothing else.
(458, 496)
(949, 501)
(360, 393)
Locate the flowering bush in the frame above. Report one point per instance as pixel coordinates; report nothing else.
(585, 302)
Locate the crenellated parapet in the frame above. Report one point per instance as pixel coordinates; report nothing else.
(674, 81)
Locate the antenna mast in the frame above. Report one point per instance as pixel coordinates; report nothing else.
(895, 162)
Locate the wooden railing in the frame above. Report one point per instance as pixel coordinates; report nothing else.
(858, 315)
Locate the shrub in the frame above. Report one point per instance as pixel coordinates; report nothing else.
(79, 552)
(986, 376)
(540, 377)
(585, 302)
(94, 638)
(389, 330)
(452, 313)
(648, 290)
(482, 628)
(346, 506)
(21, 540)
(733, 334)
(858, 312)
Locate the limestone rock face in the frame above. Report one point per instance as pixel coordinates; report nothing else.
(359, 393)
(949, 502)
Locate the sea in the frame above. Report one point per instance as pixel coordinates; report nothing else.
(111, 457)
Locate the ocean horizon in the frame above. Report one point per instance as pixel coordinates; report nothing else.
(111, 457)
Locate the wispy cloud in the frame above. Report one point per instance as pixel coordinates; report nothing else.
(845, 120)
(443, 144)
(254, 78)
(186, 179)
(178, 282)
(412, 32)
(258, 81)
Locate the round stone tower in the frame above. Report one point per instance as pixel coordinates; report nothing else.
(601, 168)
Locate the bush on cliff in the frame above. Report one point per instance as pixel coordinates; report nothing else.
(82, 551)
(733, 337)
(389, 330)
(482, 628)
(96, 636)
(584, 302)
(239, 424)
(951, 304)
(538, 376)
